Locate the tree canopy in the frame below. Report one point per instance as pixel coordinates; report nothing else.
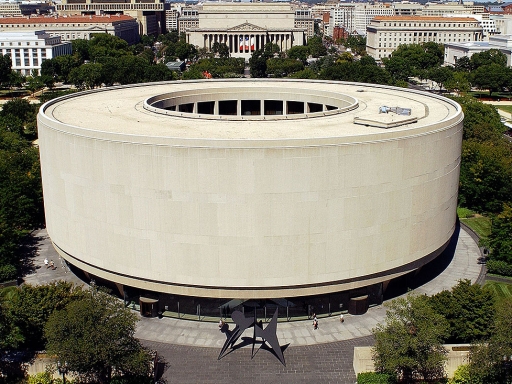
(409, 343)
(469, 310)
(95, 336)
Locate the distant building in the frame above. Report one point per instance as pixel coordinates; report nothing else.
(29, 49)
(188, 19)
(171, 19)
(176, 66)
(304, 20)
(75, 27)
(10, 9)
(148, 13)
(245, 27)
(354, 17)
(386, 33)
(455, 51)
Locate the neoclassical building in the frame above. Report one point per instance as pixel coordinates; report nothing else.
(386, 33)
(246, 27)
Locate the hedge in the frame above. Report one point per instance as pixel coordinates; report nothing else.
(375, 378)
(499, 267)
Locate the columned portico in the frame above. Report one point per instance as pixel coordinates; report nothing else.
(247, 42)
(245, 38)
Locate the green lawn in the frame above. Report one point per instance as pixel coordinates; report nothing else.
(481, 225)
(504, 108)
(501, 290)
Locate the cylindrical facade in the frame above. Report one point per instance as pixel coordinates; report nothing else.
(265, 204)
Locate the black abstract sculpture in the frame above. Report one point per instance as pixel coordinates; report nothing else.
(267, 334)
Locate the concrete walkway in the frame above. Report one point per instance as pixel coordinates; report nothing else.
(463, 265)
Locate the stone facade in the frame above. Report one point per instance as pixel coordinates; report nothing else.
(245, 28)
(250, 188)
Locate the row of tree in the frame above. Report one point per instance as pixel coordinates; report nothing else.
(21, 207)
(409, 345)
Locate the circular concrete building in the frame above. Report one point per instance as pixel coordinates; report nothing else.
(250, 189)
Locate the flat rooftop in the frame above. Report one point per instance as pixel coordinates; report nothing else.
(119, 113)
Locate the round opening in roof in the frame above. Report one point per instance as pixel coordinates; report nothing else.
(255, 103)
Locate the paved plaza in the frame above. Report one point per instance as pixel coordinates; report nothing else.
(190, 348)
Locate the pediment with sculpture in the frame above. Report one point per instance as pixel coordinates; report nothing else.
(246, 27)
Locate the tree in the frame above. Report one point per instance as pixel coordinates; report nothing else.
(440, 75)
(220, 49)
(469, 309)
(220, 67)
(485, 176)
(500, 239)
(481, 121)
(81, 50)
(409, 344)
(20, 108)
(279, 67)
(185, 51)
(87, 76)
(410, 59)
(491, 56)
(129, 70)
(34, 84)
(398, 67)
(258, 64)
(298, 52)
(31, 306)
(316, 46)
(493, 77)
(159, 72)
(486, 359)
(463, 64)
(106, 45)
(95, 335)
(5, 68)
(458, 82)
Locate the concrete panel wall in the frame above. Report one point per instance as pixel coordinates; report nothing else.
(202, 219)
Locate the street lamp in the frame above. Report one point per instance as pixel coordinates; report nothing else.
(63, 369)
(507, 365)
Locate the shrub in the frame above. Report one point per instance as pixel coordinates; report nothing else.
(499, 267)
(461, 375)
(375, 378)
(8, 272)
(465, 213)
(40, 378)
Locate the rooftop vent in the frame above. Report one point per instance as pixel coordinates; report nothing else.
(397, 110)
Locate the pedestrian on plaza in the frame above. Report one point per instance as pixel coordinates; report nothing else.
(341, 318)
(52, 265)
(315, 322)
(46, 263)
